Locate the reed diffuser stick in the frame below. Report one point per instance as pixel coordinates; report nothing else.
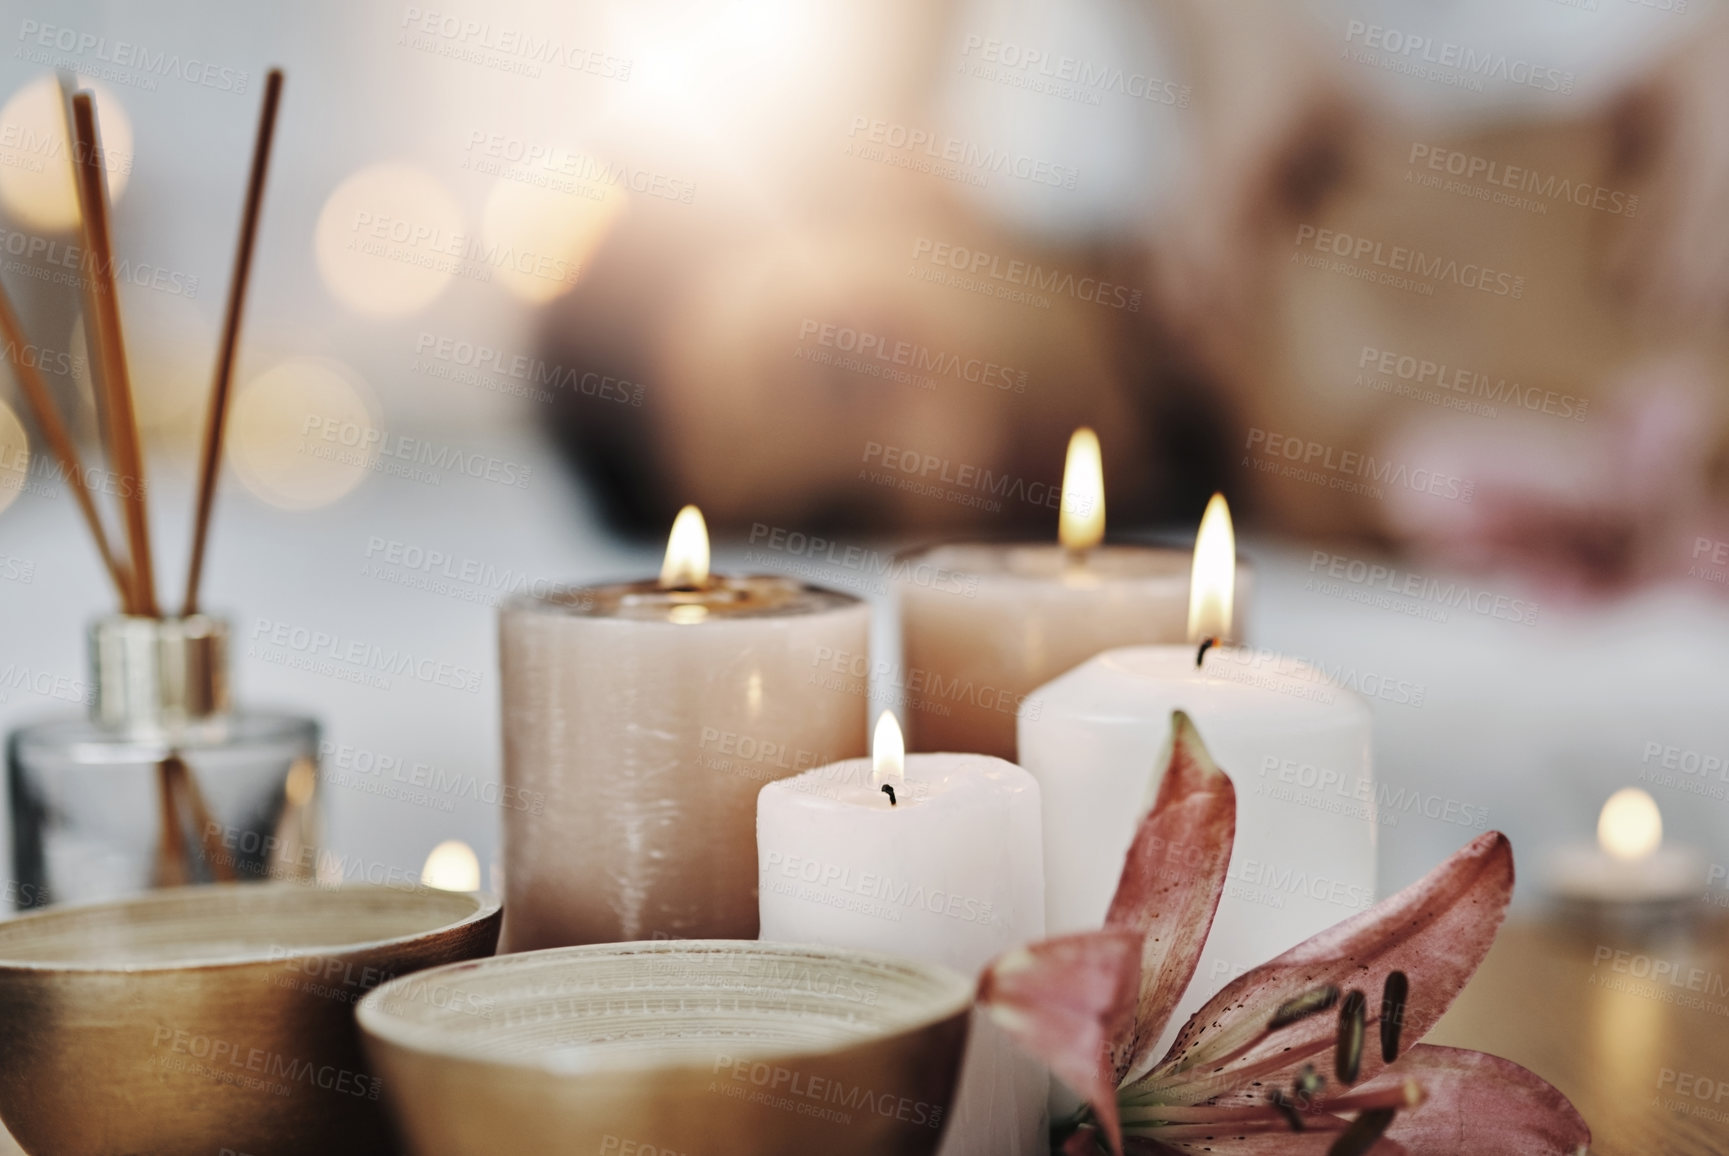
(41, 402)
(103, 306)
(210, 464)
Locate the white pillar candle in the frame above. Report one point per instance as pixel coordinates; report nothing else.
(983, 625)
(640, 720)
(950, 873)
(1296, 745)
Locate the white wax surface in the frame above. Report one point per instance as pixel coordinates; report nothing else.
(953, 874)
(984, 625)
(1584, 872)
(1297, 749)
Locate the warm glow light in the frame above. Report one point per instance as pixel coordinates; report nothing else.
(35, 163)
(540, 239)
(389, 239)
(14, 456)
(1081, 525)
(888, 753)
(452, 866)
(301, 434)
(1213, 581)
(1631, 826)
(686, 564)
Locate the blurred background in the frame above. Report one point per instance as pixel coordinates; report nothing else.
(1433, 291)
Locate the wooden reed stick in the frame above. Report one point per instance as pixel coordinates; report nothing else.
(103, 306)
(210, 464)
(41, 402)
(172, 869)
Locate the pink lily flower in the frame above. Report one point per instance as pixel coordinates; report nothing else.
(1312, 1052)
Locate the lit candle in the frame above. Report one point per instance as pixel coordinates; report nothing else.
(640, 720)
(1629, 875)
(1295, 744)
(935, 857)
(996, 621)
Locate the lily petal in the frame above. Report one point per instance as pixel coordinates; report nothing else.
(1436, 931)
(1483, 1105)
(1170, 886)
(1065, 1000)
(1283, 1143)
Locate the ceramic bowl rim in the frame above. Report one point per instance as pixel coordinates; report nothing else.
(486, 906)
(380, 1026)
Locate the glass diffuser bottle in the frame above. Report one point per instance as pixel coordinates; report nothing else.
(166, 782)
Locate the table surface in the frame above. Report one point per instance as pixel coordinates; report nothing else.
(1634, 1030)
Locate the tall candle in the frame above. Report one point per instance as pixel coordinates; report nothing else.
(998, 621)
(1296, 745)
(947, 869)
(640, 720)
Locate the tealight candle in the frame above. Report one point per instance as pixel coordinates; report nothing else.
(1292, 741)
(936, 857)
(647, 715)
(1629, 874)
(1006, 619)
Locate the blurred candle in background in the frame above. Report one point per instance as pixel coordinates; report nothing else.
(1005, 619)
(1295, 744)
(949, 871)
(641, 719)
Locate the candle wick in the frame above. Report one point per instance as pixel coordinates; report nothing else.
(1202, 652)
(890, 792)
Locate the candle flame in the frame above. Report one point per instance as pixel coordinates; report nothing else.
(1213, 581)
(1081, 525)
(888, 753)
(1631, 826)
(686, 564)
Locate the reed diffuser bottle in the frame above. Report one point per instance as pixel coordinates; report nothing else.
(165, 783)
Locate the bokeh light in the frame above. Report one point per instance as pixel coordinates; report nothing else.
(35, 163)
(389, 239)
(452, 866)
(303, 434)
(14, 456)
(537, 240)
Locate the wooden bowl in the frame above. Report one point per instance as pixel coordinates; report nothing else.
(717, 1047)
(205, 1019)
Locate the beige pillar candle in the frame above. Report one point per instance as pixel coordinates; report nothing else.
(647, 716)
(1009, 618)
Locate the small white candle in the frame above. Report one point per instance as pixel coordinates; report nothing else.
(949, 872)
(1629, 866)
(1296, 746)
